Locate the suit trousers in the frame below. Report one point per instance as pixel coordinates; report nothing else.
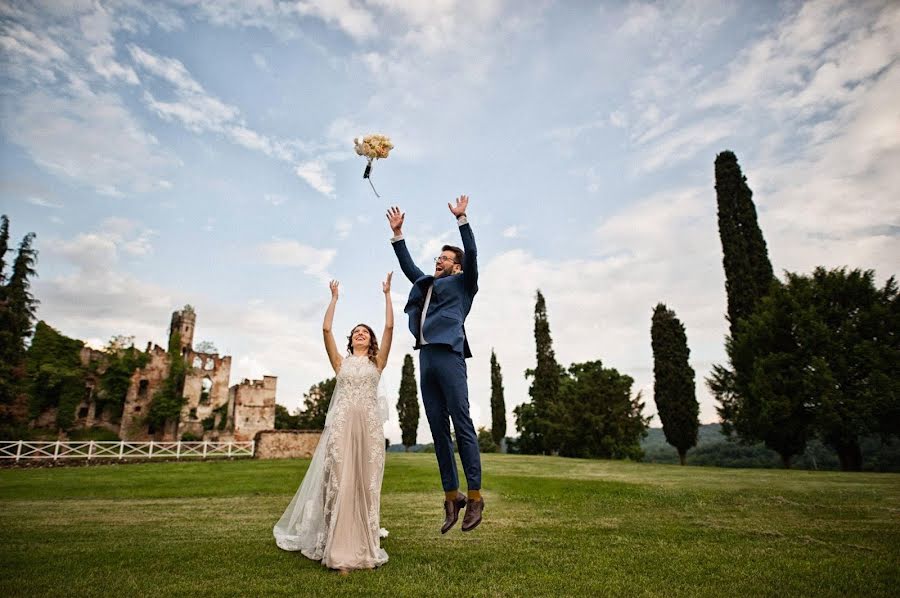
(445, 394)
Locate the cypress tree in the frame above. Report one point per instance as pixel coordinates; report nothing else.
(544, 389)
(17, 311)
(408, 403)
(673, 386)
(748, 271)
(4, 246)
(498, 405)
(20, 304)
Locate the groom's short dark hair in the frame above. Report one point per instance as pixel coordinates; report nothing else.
(459, 253)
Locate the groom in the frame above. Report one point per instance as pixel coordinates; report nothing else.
(437, 307)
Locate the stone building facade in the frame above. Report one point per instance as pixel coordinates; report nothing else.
(251, 407)
(212, 409)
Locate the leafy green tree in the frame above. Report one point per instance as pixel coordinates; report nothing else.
(818, 356)
(408, 403)
(528, 442)
(284, 420)
(764, 397)
(598, 416)
(315, 405)
(486, 442)
(673, 387)
(56, 378)
(498, 404)
(821, 355)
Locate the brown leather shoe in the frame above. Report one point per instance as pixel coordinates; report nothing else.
(452, 509)
(473, 515)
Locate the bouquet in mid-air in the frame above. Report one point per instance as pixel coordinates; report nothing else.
(373, 147)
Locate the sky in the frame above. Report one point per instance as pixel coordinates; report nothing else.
(201, 152)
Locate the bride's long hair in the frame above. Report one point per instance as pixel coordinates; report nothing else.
(373, 343)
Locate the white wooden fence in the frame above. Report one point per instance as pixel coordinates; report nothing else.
(98, 449)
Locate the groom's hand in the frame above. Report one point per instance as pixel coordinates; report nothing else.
(395, 219)
(462, 202)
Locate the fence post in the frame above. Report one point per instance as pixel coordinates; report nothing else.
(150, 456)
(178, 450)
(90, 449)
(253, 448)
(56, 450)
(204, 449)
(121, 448)
(19, 451)
(229, 450)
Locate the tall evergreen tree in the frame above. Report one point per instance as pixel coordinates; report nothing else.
(544, 389)
(673, 386)
(4, 247)
(19, 302)
(748, 271)
(498, 404)
(408, 403)
(17, 311)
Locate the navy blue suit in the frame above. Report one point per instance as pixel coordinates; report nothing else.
(442, 360)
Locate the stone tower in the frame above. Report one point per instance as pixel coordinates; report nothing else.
(183, 323)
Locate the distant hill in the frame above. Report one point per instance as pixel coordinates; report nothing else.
(716, 450)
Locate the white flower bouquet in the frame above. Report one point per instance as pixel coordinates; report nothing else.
(373, 147)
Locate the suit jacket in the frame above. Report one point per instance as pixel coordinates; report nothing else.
(451, 297)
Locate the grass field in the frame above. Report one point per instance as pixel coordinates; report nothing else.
(552, 527)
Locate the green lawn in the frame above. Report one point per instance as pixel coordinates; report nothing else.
(552, 527)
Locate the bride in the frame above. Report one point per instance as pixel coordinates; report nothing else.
(334, 516)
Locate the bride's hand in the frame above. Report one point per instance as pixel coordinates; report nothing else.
(386, 285)
(333, 285)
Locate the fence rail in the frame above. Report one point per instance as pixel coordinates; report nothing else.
(124, 449)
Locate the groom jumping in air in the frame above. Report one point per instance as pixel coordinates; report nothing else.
(437, 307)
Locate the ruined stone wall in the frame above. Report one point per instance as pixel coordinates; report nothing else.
(205, 389)
(253, 409)
(144, 384)
(286, 444)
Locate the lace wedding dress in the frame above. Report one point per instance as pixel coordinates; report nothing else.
(334, 516)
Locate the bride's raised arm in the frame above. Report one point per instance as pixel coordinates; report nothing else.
(388, 334)
(330, 346)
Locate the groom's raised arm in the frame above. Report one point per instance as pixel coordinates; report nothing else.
(470, 259)
(395, 218)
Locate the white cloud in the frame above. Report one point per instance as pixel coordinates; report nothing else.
(285, 252)
(343, 227)
(44, 203)
(352, 18)
(317, 175)
(510, 232)
(276, 199)
(90, 138)
(260, 61)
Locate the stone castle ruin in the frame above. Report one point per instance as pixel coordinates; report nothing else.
(212, 409)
